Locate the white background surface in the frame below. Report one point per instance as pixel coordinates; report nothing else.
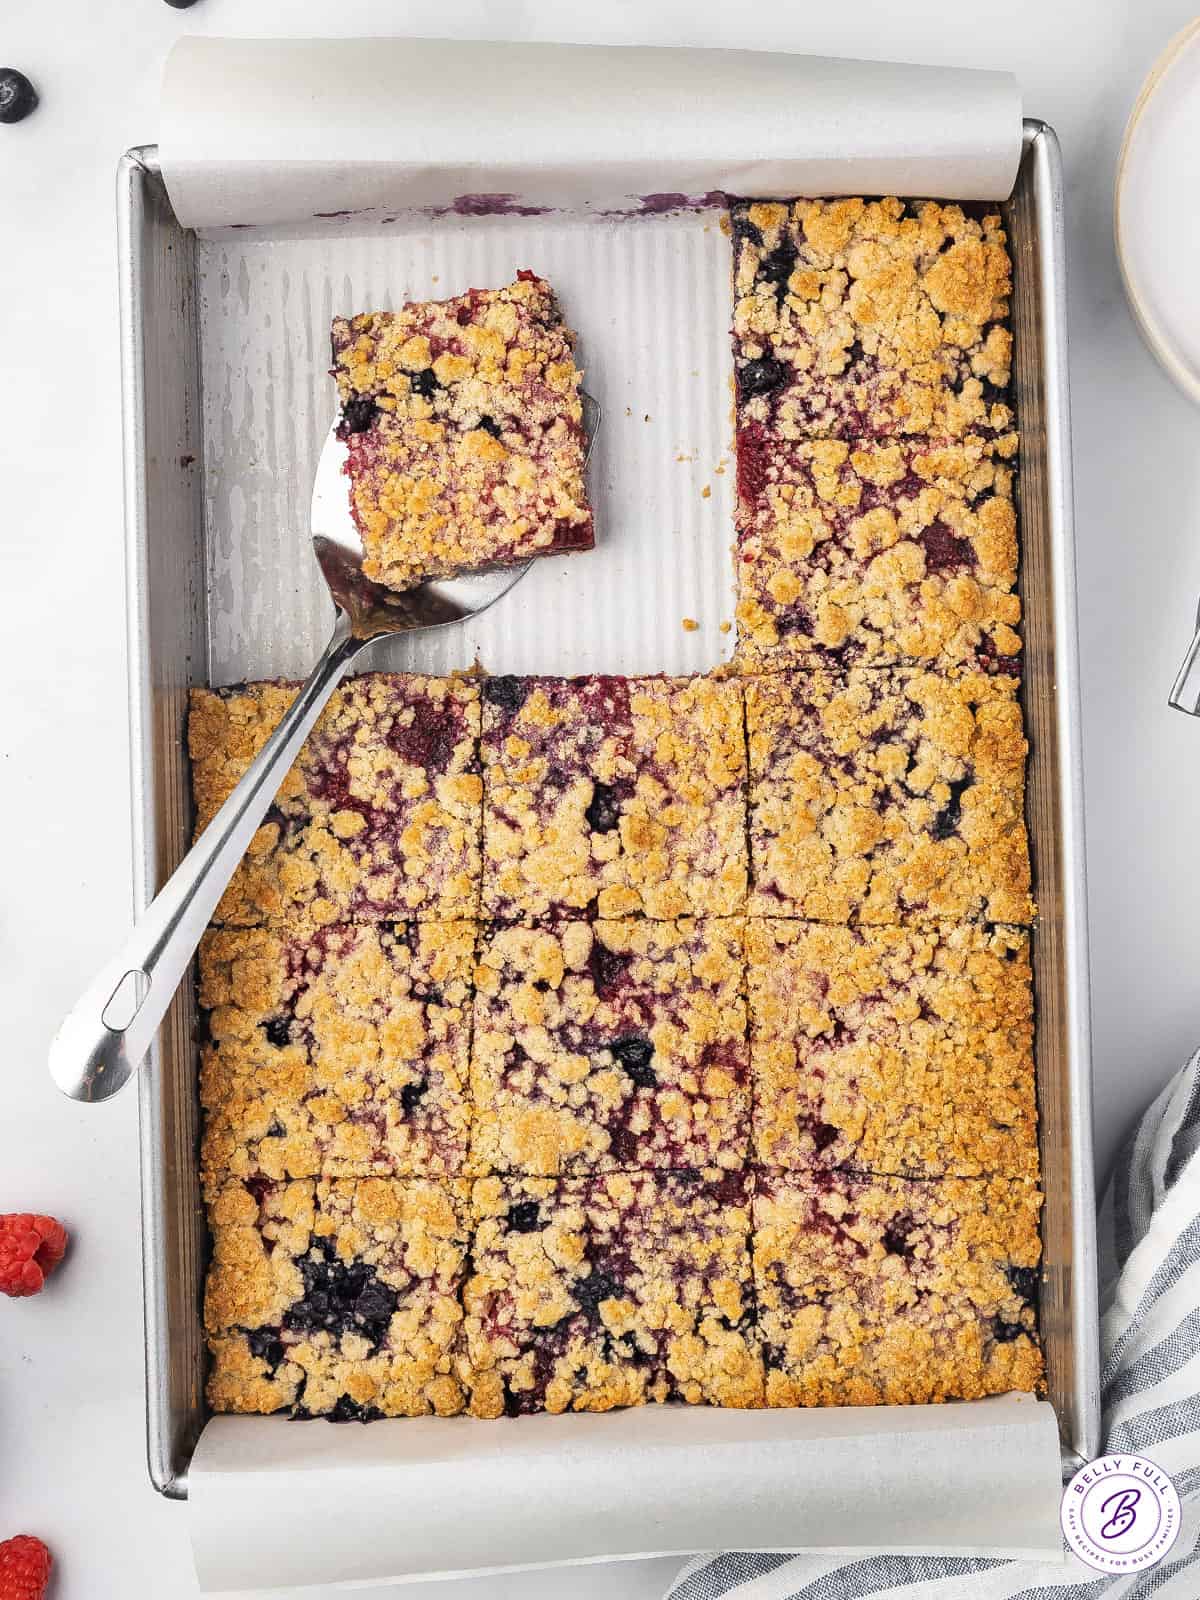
(71, 1457)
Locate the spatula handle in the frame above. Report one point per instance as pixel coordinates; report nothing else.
(105, 1038)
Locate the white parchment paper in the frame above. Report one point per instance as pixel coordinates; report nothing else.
(337, 176)
(266, 131)
(296, 1505)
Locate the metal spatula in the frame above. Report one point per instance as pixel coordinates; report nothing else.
(105, 1038)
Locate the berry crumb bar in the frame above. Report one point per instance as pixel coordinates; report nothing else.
(612, 1290)
(336, 1299)
(891, 1291)
(611, 1045)
(464, 427)
(379, 818)
(857, 319)
(336, 1051)
(877, 554)
(888, 796)
(619, 796)
(894, 1050)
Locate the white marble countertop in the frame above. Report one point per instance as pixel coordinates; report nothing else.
(71, 1361)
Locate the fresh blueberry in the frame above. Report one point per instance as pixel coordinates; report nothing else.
(266, 1345)
(996, 394)
(346, 1409)
(410, 1095)
(634, 1054)
(375, 1302)
(604, 809)
(895, 1235)
(590, 1291)
(822, 1134)
(279, 1032)
(1005, 1332)
(743, 228)
(777, 267)
(340, 1297)
(424, 383)
(1024, 1282)
(606, 966)
(945, 824)
(489, 425)
(359, 414)
(18, 97)
(180, 5)
(518, 1403)
(761, 376)
(854, 354)
(506, 693)
(525, 1217)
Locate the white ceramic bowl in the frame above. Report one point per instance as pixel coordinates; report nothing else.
(1157, 210)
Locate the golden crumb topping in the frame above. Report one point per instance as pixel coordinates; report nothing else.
(464, 427)
(862, 319)
(613, 1290)
(877, 554)
(611, 1045)
(888, 797)
(336, 1298)
(890, 1291)
(379, 818)
(622, 796)
(336, 1051)
(894, 1050)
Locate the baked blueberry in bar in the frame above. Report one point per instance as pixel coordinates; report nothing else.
(879, 553)
(464, 427)
(336, 1299)
(379, 818)
(902, 1051)
(887, 796)
(894, 1291)
(865, 319)
(337, 1051)
(609, 1045)
(613, 796)
(611, 1290)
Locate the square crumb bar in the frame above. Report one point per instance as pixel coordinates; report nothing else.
(892, 1050)
(864, 319)
(338, 1051)
(878, 554)
(611, 1290)
(610, 1045)
(891, 1291)
(613, 796)
(378, 820)
(888, 796)
(336, 1299)
(465, 432)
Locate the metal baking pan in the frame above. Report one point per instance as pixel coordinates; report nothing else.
(171, 569)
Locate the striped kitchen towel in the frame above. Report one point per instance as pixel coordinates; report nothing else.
(1150, 1376)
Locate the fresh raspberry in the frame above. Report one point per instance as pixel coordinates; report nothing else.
(30, 1249)
(24, 1563)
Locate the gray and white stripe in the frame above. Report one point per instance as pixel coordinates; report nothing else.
(1150, 1372)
